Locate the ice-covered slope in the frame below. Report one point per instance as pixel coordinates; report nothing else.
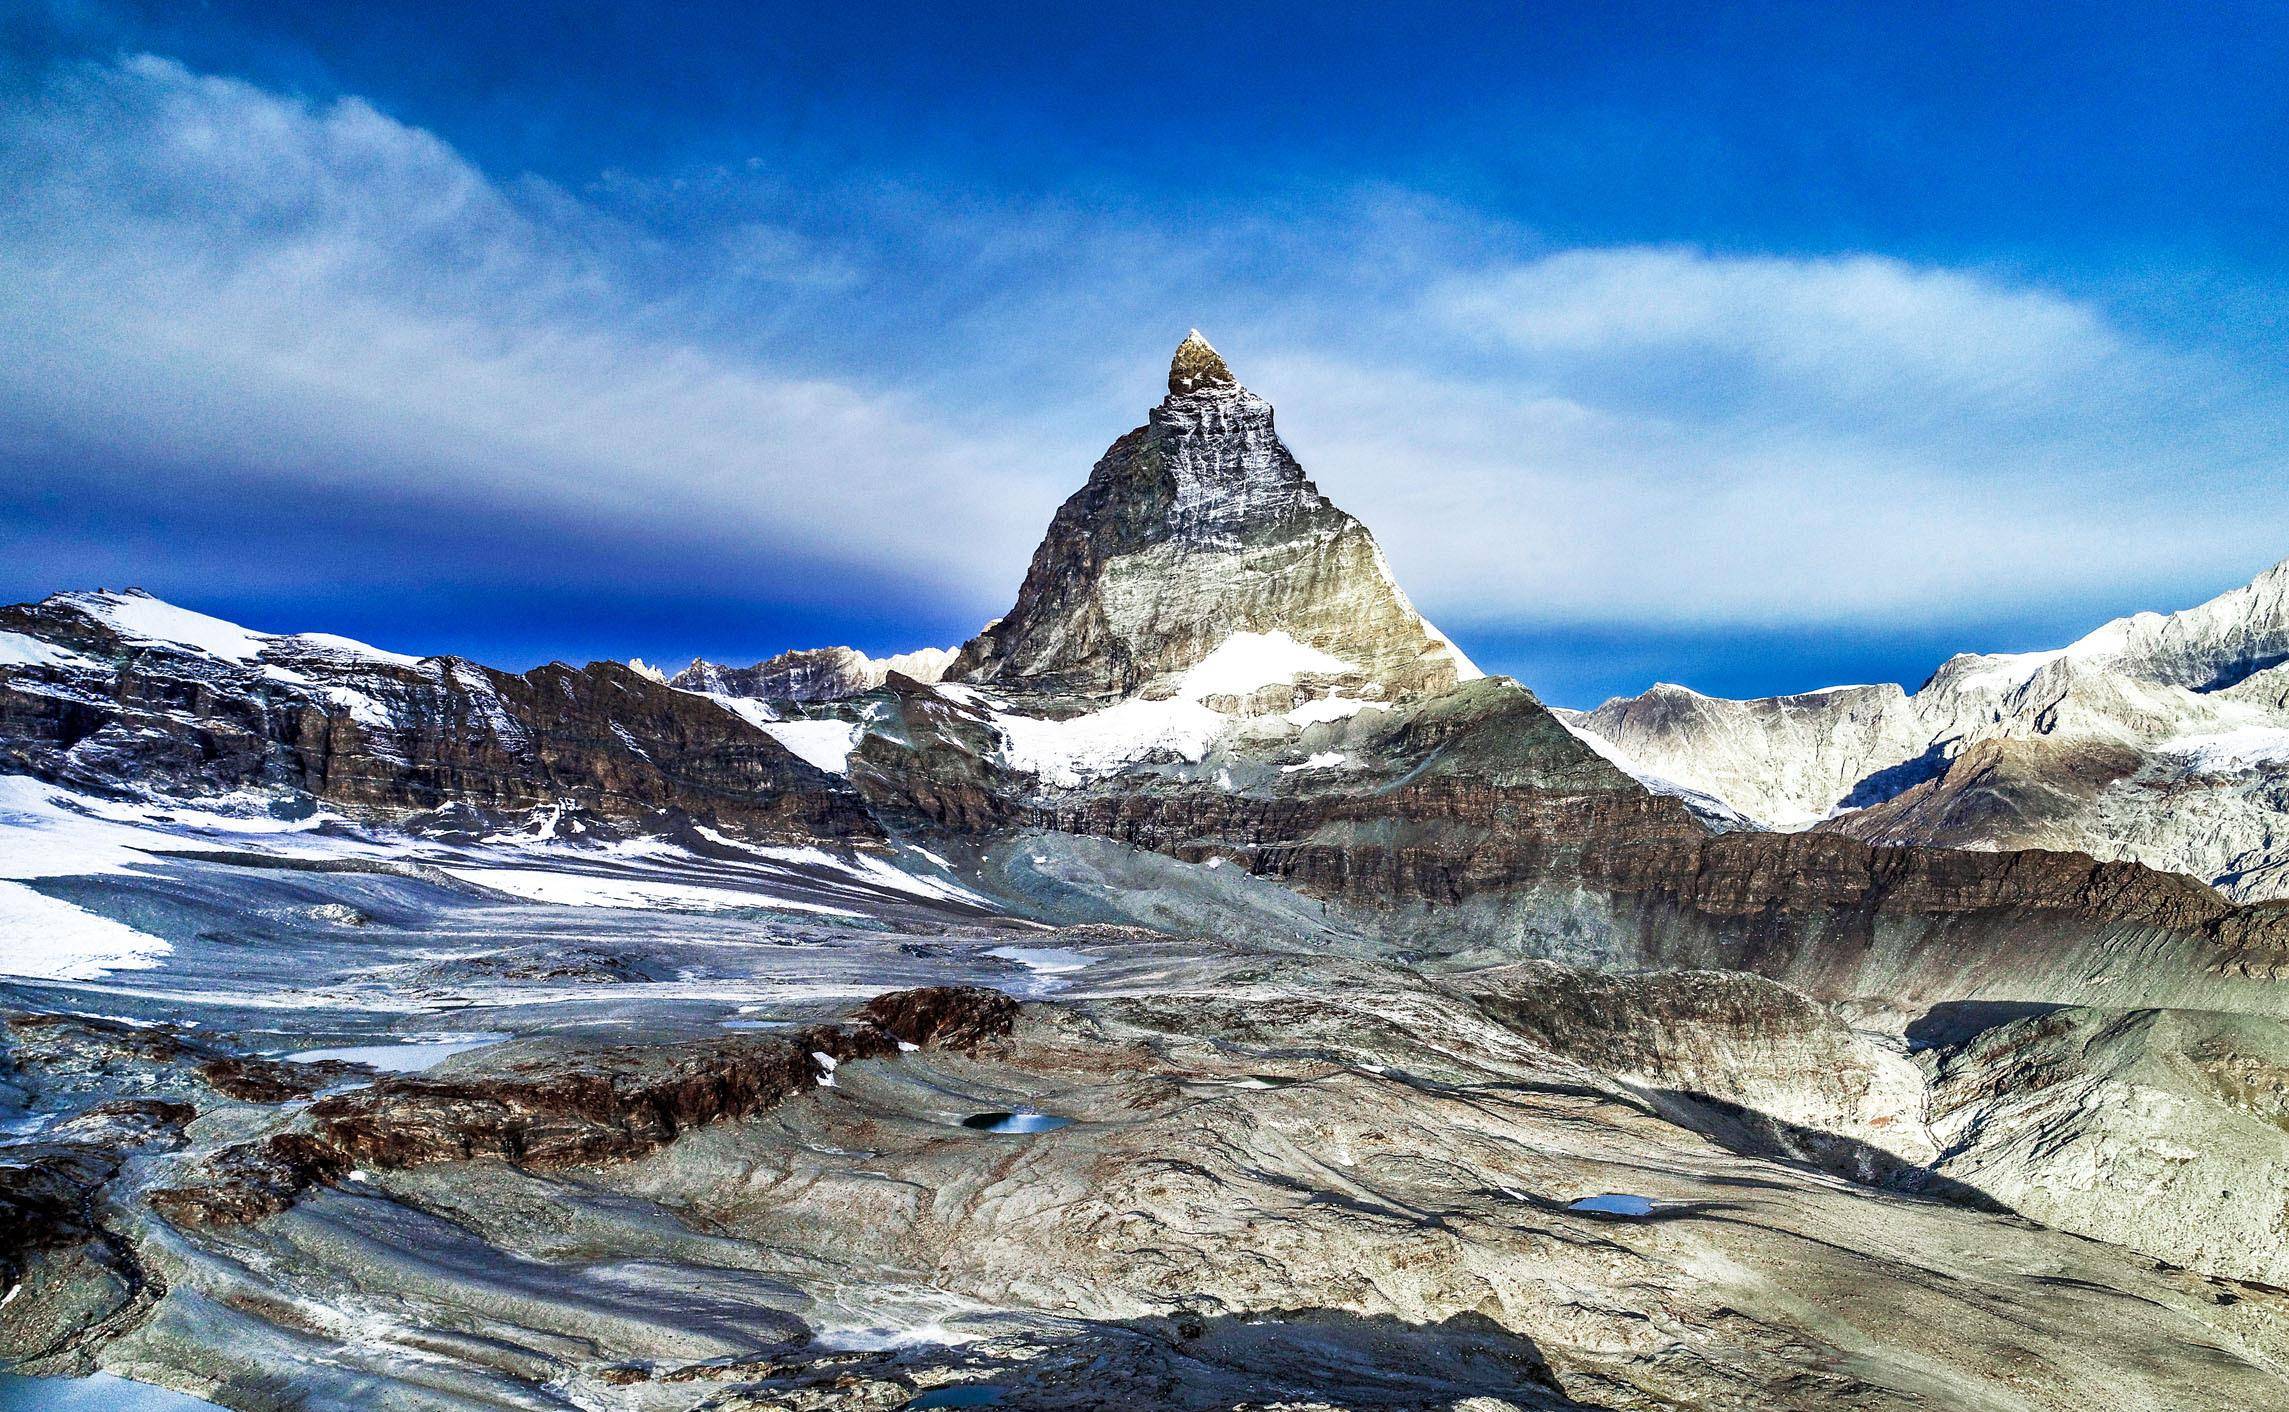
(2158, 738)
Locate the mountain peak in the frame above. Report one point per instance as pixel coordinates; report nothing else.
(1197, 366)
(1194, 527)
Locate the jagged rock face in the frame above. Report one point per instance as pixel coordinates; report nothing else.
(1193, 527)
(2161, 739)
(2206, 648)
(813, 674)
(120, 693)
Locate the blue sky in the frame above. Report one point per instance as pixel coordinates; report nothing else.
(1759, 350)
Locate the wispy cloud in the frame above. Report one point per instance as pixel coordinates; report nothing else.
(197, 272)
(215, 283)
(1666, 435)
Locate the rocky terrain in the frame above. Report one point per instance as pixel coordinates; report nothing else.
(2159, 739)
(121, 693)
(1209, 991)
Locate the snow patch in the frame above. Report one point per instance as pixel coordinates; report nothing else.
(589, 890)
(823, 745)
(51, 939)
(1332, 708)
(2231, 752)
(409, 1056)
(1250, 661)
(1046, 960)
(1065, 753)
(753, 711)
(17, 650)
(351, 647)
(1324, 760)
(141, 617)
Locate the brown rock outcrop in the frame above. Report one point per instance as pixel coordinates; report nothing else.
(594, 1106)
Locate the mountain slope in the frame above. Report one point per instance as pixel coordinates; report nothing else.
(1209, 665)
(122, 693)
(1279, 737)
(2158, 738)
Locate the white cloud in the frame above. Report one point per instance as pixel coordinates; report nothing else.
(1848, 327)
(1663, 435)
(194, 271)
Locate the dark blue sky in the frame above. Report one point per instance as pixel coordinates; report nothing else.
(1758, 347)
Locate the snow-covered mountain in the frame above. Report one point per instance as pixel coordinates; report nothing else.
(1208, 663)
(812, 674)
(119, 693)
(2158, 738)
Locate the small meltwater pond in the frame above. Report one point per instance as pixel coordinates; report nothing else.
(1015, 1122)
(403, 1057)
(1613, 1203)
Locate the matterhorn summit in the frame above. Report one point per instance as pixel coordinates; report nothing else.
(1192, 529)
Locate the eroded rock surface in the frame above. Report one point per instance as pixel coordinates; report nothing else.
(2166, 1131)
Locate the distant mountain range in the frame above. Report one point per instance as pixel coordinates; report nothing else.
(2162, 739)
(1209, 660)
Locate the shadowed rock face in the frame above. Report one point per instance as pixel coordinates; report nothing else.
(1193, 527)
(1742, 1040)
(2163, 1130)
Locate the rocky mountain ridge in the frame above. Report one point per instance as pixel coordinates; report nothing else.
(121, 693)
(1208, 662)
(812, 674)
(2162, 739)
(1500, 1079)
